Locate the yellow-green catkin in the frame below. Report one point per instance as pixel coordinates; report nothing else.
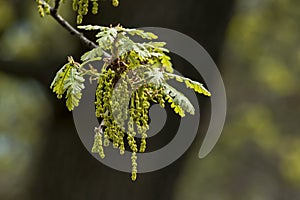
(79, 19)
(95, 6)
(43, 8)
(85, 7)
(131, 141)
(97, 146)
(115, 3)
(82, 8)
(99, 97)
(106, 131)
(121, 139)
(75, 5)
(142, 129)
(134, 166)
(160, 98)
(103, 93)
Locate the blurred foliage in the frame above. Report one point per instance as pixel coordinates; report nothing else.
(258, 156)
(21, 124)
(24, 105)
(25, 36)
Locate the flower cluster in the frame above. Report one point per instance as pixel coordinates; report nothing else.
(134, 75)
(82, 7)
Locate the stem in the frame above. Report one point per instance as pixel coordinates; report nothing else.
(56, 5)
(66, 25)
(71, 29)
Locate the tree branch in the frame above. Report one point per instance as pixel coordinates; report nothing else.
(40, 74)
(56, 5)
(69, 27)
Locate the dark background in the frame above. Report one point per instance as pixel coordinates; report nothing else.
(256, 47)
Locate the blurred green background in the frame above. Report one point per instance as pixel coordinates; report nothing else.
(258, 155)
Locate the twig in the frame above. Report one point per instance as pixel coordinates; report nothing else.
(69, 27)
(56, 5)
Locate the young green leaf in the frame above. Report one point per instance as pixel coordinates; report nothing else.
(90, 55)
(73, 85)
(197, 87)
(178, 100)
(59, 80)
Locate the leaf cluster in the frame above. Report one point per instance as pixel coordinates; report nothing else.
(134, 75)
(69, 81)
